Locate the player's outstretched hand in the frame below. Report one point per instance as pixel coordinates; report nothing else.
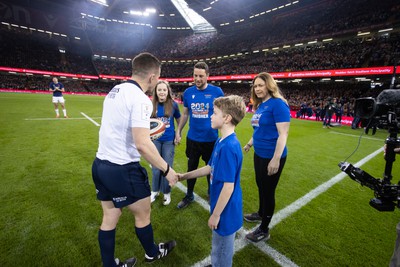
(172, 177)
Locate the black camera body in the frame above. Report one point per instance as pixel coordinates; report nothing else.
(383, 111)
(386, 194)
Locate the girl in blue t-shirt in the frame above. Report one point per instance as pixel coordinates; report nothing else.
(270, 122)
(165, 109)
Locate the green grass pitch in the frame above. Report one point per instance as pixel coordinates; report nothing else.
(50, 215)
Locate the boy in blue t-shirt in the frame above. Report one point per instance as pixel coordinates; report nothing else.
(224, 168)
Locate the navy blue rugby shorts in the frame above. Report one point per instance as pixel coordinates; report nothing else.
(121, 184)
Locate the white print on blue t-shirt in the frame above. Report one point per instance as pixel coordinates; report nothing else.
(165, 121)
(255, 120)
(200, 110)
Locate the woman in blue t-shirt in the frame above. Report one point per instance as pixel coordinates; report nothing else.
(165, 109)
(270, 122)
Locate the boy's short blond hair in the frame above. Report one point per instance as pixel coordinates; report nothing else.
(232, 105)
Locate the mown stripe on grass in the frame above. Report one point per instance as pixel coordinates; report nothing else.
(279, 258)
(240, 241)
(56, 119)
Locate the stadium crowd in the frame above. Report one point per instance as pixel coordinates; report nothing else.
(313, 95)
(24, 49)
(98, 54)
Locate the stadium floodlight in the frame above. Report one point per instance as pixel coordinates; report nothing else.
(386, 30)
(100, 2)
(145, 13)
(363, 33)
(135, 13)
(150, 10)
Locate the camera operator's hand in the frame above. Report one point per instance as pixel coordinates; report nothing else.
(396, 150)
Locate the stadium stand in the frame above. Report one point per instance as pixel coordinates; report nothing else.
(108, 51)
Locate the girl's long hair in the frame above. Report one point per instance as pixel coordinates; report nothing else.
(168, 104)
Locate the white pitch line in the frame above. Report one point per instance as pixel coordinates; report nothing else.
(301, 202)
(87, 117)
(240, 241)
(54, 119)
(197, 198)
(364, 137)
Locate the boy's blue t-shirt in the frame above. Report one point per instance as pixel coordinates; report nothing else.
(226, 164)
(169, 134)
(264, 120)
(200, 104)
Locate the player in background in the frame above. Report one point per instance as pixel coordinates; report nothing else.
(198, 107)
(225, 191)
(57, 89)
(167, 110)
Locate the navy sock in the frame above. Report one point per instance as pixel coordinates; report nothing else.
(146, 238)
(107, 245)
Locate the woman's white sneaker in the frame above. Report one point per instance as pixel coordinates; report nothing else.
(167, 199)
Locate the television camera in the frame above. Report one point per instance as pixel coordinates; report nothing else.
(380, 112)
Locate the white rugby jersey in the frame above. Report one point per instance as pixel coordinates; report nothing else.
(125, 106)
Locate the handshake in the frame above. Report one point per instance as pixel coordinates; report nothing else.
(174, 177)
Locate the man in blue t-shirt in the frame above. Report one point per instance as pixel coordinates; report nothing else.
(198, 108)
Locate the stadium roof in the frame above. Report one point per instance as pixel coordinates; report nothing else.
(160, 14)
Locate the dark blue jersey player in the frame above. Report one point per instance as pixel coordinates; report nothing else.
(57, 89)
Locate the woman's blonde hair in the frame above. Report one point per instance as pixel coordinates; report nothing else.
(272, 88)
(168, 104)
